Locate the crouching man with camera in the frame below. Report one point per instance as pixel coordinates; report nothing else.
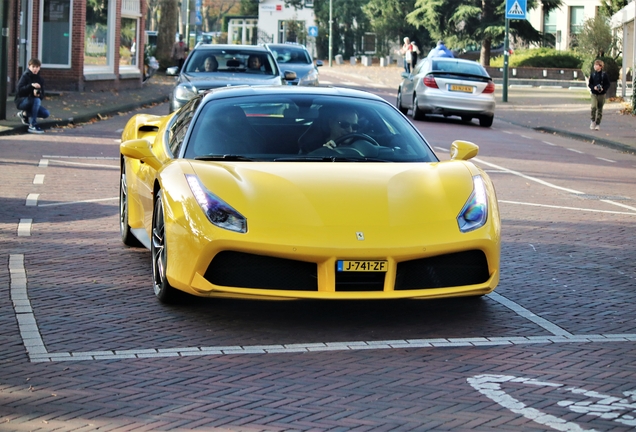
(599, 84)
(28, 98)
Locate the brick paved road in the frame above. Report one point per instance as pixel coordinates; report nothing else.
(105, 355)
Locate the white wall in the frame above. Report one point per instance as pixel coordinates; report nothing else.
(270, 12)
(535, 17)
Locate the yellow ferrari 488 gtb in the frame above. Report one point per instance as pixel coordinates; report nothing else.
(298, 192)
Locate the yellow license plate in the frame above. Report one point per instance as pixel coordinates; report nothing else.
(362, 266)
(461, 88)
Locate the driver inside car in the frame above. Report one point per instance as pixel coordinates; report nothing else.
(341, 123)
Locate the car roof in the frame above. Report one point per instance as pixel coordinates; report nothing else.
(256, 48)
(237, 91)
(286, 45)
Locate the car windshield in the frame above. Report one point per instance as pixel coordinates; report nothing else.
(291, 55)
(471, 68)
(206, 61)
(296, 128)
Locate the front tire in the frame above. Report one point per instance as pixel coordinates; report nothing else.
(163, 290)
(417, 113)
(127, 236)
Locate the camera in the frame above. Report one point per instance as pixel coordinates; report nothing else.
(598, 87)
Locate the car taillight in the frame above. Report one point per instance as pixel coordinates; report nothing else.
(429, 81)
(490, 87)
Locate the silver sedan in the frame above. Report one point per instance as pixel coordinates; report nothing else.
(448, 86)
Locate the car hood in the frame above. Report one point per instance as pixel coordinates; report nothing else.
(300, 69)
(331, 197)
(222, 79)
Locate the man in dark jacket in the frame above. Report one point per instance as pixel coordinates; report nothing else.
(28, 98)
(599, 85)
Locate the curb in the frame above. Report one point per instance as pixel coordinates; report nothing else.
(583, 137)
(85, 117)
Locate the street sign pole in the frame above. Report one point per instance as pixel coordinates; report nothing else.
(330, 33)
(505, 70)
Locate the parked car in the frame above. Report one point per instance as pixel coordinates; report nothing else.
(448, 86)
(228, 66)
(304, 192)
(296, 57)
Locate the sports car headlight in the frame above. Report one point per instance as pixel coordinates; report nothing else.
(185, 92)
(310, 77)
(218, 211)
(475, 211)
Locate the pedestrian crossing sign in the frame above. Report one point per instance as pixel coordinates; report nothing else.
(516, 9)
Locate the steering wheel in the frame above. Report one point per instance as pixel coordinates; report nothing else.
(350, 137)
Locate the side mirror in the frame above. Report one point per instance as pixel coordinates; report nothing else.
(289, 75)
(463, 150)
(319, 63)
(141, 150)
(172, 71)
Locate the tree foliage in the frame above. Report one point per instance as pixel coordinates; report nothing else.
(388, 20)
(461, 23)
(596, 38)
(610, 7)
(350, 23)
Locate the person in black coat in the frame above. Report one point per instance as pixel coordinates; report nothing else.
(28, 98)
(599, 84)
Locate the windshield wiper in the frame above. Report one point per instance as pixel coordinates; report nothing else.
(225, 157)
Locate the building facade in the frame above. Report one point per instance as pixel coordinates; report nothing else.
(278, 23)
(624, 23)
(82, 46)
(563, 24)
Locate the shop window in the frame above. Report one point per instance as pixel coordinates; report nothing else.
(55, 37)
(128, 54)
(97, 44)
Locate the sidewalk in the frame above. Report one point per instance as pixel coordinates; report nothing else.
(551, 110)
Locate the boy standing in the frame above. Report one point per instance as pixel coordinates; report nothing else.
(599, 84)
(28, 98)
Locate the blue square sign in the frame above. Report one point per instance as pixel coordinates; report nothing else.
(516, 9)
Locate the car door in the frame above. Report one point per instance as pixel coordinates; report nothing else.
(409, 84)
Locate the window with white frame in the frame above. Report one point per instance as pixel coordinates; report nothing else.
(55, 37)
(96, 37)
(129, 34)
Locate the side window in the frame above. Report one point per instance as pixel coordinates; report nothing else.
(179, 127)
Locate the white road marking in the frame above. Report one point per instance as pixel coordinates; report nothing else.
(38, 179)
(32, 200)
(575, 151)
(526, 137)
(65, 162)
(575, 208)
(618, 204)
(24, 227)
(549, 143)
(43, 163)
(527, 177)
(619, 409)
(445, 150)
(27, 324)
(37, 351)
(78, 202)
(80, 157)
(508, 132)
(490, 386)
(606, 160)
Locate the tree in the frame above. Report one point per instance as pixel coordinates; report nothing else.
(473, 22)
(596, 38)
(349, 25)
(610, 7)
(388, 20)
(166, 30)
